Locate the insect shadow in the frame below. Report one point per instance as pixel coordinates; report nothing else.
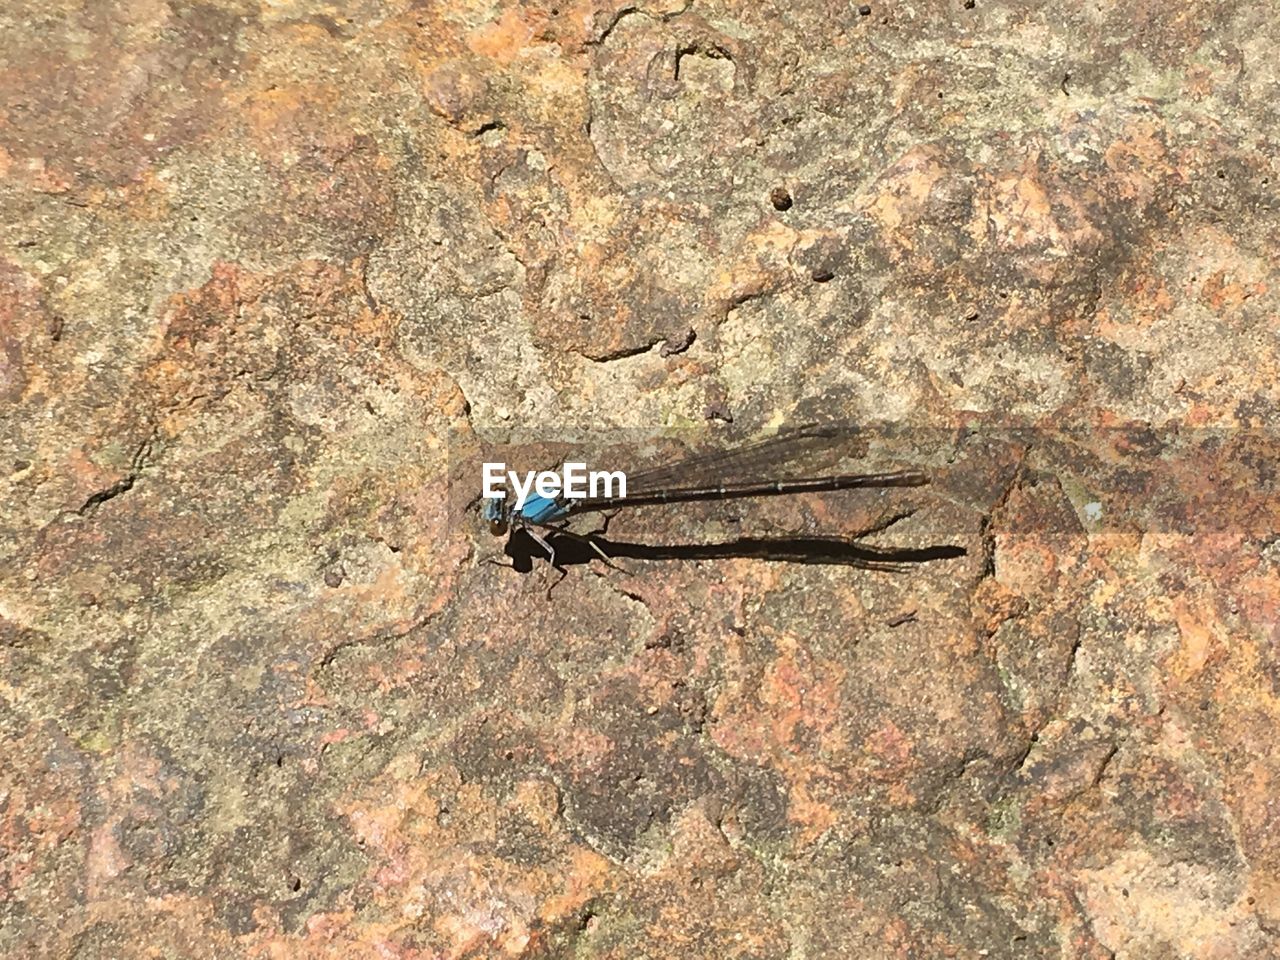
(578, 549)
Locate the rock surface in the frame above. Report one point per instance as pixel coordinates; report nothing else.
(274, 274)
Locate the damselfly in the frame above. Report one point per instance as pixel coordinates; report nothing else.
(758, 469)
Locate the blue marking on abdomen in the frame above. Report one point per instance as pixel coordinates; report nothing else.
(542, 510)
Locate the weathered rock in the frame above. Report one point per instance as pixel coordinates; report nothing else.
(275, 276)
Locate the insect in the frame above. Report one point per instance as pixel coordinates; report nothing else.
(755, 470)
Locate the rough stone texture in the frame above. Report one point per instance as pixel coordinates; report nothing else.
(271, 273)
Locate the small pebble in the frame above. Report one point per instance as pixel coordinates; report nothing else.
(865, 10)
(678, 344)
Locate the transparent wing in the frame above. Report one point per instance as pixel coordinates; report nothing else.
(806, 449)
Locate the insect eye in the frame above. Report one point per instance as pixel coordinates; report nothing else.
(497, 527)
